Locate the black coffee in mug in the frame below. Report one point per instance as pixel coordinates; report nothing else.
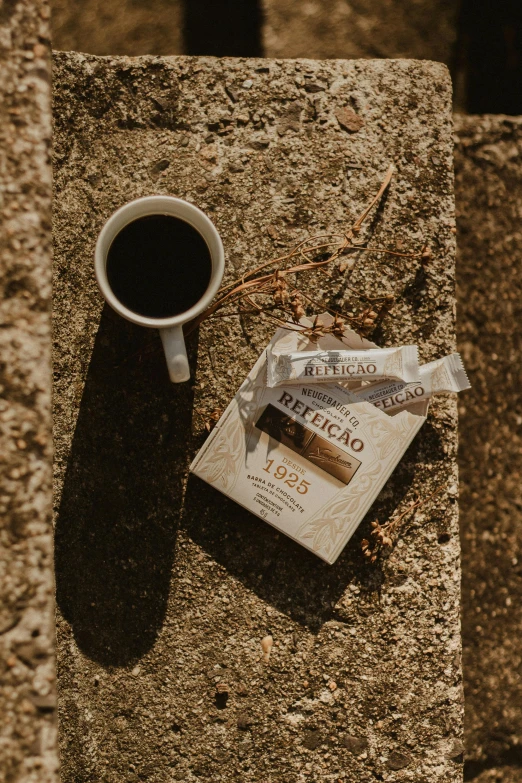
(159, 266)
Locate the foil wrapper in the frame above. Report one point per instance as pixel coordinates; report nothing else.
(442, 375)
(401, 364)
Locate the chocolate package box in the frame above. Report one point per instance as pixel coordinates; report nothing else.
(306, 458)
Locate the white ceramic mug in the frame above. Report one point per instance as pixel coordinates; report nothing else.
(171, 329)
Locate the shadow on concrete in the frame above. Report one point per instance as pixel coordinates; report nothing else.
(506, 761)
(223, 28)
(281, 572)
(119, 511)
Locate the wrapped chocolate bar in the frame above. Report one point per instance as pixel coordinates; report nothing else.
(442, 375)
(401, 364)
(308, 459)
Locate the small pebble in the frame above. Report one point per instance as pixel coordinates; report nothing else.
(242, 689)
(266, 645)
(349, 120)
(244, 721)
(355, 745)
(457, 749)
(314, 87)
(312, 740)
(232, 94)
(398, 760)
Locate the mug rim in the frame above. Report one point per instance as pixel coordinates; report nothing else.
(159, 205)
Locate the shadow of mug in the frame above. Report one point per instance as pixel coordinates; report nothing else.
(119, 509)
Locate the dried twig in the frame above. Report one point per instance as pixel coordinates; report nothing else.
(211, 419)
(265, 290)
(384, 536)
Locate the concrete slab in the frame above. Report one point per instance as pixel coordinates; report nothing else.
(118, 27)
(361, 28)
(28, 751)
(165, 589)
(489, 199)
(325, 29)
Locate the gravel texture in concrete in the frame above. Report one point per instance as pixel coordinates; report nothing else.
(165, 588)
(489, 197)
(28, 749)
(361, 28)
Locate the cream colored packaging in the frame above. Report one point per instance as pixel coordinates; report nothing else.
(305, 458)
(442, 375)
(283, 368)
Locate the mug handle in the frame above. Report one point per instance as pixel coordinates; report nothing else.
(175, 353)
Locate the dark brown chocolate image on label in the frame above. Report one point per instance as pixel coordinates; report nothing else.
(317, 450)
(284, 428)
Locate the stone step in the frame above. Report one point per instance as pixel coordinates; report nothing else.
(125, 27)
(425, 30)
(489, 205)
(28, 750)
(164, 587)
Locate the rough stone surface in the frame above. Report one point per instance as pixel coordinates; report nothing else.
(27, 697)
(361, 28)
(165, 588)
(130, 27)
(489, 200)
